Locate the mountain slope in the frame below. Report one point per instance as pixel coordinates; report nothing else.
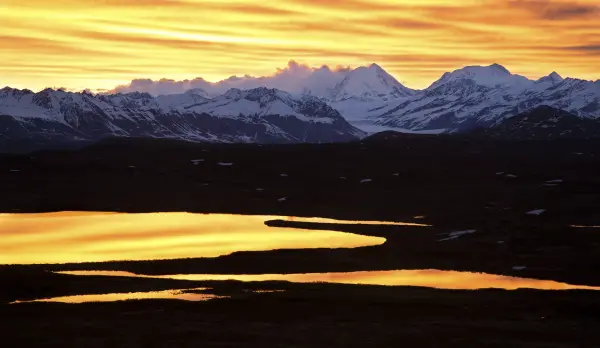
(365, 91)
(259, 115)
(544, 123)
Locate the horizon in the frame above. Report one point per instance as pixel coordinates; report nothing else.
(278, 72)
(101, 45)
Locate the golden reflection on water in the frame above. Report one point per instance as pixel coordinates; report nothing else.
(424, 278)
(166, 294)
(353, 222)
(93, 237)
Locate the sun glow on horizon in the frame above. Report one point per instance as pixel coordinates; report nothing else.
(102, 44)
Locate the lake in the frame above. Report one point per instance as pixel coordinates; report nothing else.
(439, 279)
(71, 237)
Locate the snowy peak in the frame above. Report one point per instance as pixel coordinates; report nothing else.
(132, 100)
(198, 92)
(264, 94)
(184, 100)
(494, 75)
(369, 83)
(499, 69)
(233, 93)
(262, 102)
(553, 78)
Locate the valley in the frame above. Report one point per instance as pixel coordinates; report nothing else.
(356, 212)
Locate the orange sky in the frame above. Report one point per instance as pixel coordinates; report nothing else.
(104, 43)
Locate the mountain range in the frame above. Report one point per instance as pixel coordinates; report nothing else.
(259, 115)
(373, 100)
(483, 96)
(321, 105)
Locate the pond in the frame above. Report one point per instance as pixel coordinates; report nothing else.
(174, 294)
(424, 278)
(71, 237)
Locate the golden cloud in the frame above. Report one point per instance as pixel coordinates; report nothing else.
(100, 44)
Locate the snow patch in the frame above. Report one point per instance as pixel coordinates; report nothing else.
(455, 235)
(536, 212)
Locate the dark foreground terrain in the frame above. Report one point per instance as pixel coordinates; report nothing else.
(451, 183)
(316, 315)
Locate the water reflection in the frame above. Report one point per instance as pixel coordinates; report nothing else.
(353, 222)
(186, 294)
(425, 278)
(93, 237)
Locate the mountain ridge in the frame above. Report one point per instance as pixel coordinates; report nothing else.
(472, 96)
(479, 96)
(367, 97)
(260, 115)
(543, 123)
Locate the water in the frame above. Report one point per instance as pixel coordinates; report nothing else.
(70, 237)
(184, 294)
(423, 278)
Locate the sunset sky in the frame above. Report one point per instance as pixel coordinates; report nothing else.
(99, 44)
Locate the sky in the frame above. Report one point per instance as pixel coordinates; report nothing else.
(100, 44)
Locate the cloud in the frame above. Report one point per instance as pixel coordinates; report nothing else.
(295, 78)
(554, 10)
(588, 48)
(162, 86)
(101, 44)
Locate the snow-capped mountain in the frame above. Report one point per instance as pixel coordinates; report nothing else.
(550, 80)
(494, 75)
(353, 92)
(363, 92)
(369, 84)
(482, 96)
(259, 115)
(373, 100)
(368, 98)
